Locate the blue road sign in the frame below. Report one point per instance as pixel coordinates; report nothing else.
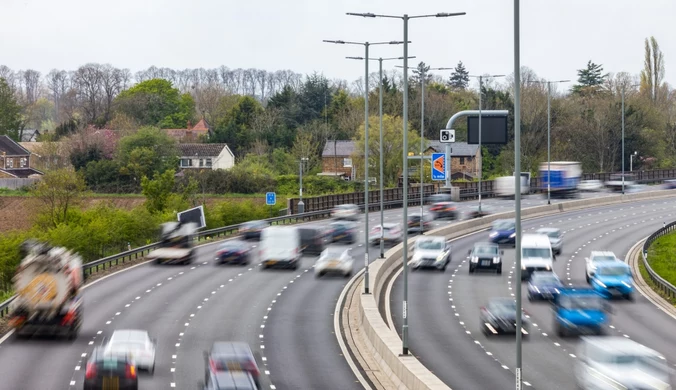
(270, 198)
(438, 166)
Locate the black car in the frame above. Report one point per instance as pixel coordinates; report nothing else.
(228, 380)
(414, 223)
(344, 231)
(110, 370)
(445, 210)
(233, 252)
(485, 255)
(475, 213)
(313, 239)
(436, 198)
(232, 356)
(499, 317)
(252, 230)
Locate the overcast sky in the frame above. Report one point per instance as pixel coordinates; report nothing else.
(557, 37)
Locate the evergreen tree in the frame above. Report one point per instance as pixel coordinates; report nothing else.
(590, 78)
(459, 78)
(11, 123)
(418, 72)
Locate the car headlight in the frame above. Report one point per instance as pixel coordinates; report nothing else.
(493, 235)
(474, 259)
(601, 284)
(512, 235)
(496, 260)
(441, 256)
(548, 268)
(523, 267)
(627, 284)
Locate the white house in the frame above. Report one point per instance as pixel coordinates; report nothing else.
(205, 156)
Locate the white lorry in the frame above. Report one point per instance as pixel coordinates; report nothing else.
(176, 246)
(47, 285)
(504, 186)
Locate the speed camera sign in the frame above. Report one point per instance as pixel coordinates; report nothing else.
(447, 135)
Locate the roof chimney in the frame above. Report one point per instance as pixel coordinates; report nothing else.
(189, 125)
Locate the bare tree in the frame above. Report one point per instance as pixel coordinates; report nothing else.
(89, 81)
(111, 83)
(31, 79)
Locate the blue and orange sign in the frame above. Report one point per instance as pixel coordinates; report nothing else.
(438, 166)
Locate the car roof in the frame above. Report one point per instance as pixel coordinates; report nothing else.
(535, 240)
(100, 353)
(430, 238)
(548, 230)
(612, 264)
(543, 273)
(233, 380)
(388, 225)
(619, 345)
(602, 253)
(130, 335)
(231, 349)
(502, 301)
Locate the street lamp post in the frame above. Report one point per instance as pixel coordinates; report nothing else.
(301, 205)
(481, 156)
(517, 185)
(405, 18)
(631, 161)
(366, 148)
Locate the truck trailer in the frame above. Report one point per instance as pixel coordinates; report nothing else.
(562, 180)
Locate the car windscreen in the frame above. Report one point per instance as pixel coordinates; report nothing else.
(230, 245)
(536, 252)
(552, 234)
(613, 271)
(604, 258)
(332, 254)
(430, 245)
(503, 225)
(486, 250)
(503, 308)
(590, 302)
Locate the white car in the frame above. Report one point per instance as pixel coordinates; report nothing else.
(590, 185)
(594, 258)
(555, 238)
(136, 343)
(431, 252)
(335, 259)
(392, 233)
(346, 211)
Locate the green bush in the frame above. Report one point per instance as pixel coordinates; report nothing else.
(231, 213)
(314, 185)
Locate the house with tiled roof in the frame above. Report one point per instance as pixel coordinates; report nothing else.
(15, 160)
(192, 134)
(337, 158)
(465, 158)
(205, 156)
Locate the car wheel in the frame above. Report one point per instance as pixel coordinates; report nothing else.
(151, 370)
(499, 271)
(348, 274)
(629, 297)
(471, 270)
(586, 276)
(560, 331)
(294, 266)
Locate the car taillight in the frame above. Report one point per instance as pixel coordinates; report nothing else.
(68, 318)
(130, 372)
(90, 373)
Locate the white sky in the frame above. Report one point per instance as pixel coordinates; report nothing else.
(557, 37)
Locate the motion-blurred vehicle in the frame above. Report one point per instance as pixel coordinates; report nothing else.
(439, 198)
(499, 317)
(555, 238)
(344, 231)
(345, 211)
(504, 187)
(176, 245)
(313, 239)
(590, 185)
(474, 212)
(431, 252)
(136, 343)
(228, 380)
(252, 230)
(414, 223)
(543, 286)
(232, 356)
(335, 260)
(444, 210)
(561, 178)
(613, 279)
(536, 255)
(233, 252)
(485, 255)
(669, 184)
(48, 301)
(612, 362)
(110, 370)
(503, 231)
(596, 258)
(392, 233)
(580, 311)
(615, 182)
(280, 247)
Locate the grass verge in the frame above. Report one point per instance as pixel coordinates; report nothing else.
(662, 260)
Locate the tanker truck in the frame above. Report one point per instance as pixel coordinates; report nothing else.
(47, 284)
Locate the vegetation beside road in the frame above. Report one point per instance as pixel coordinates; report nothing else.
(661, 258)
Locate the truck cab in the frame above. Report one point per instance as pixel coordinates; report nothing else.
(613, 279)
(580, 311)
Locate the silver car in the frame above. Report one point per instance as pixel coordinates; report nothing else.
(136, 343)
(392, 233)
(555, 238)
(335, 259)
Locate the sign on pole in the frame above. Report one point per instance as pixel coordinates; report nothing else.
(438, 166)
(447, 135)
(270, 198)
(195, 215)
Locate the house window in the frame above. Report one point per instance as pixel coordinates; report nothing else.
(22, 162)
(462, 160)
(201, 162)
(209, 162)
(347, 162)
(11, 163)
(186, 162)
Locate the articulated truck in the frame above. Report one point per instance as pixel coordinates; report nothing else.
(176, 246)
(565, 177)
(47, 285)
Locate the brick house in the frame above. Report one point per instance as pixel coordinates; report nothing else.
(15, 160)
(192, 134)
(465, 158)
(337, 158)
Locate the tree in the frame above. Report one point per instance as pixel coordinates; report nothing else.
(459, 78)
(158, 190)
(652, 75)
(59, 191)
(147, 151)
(235, 127)
(11, 122)
(156, 103)
(590, 79)
(418, 72)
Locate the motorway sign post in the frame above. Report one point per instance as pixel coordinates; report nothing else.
(438, 166)
(270, 198)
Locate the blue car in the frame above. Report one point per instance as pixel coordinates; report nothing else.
(543, 286)
(613, 279)
(344, 231)
(503, 231)
(580, 311)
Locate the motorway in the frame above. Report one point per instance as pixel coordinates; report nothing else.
(286, 317)
(444, 308)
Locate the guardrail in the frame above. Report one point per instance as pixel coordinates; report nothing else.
(664, 286)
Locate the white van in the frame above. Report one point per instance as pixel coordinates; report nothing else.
(536, 254)
(280, 246)
(619, 363)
